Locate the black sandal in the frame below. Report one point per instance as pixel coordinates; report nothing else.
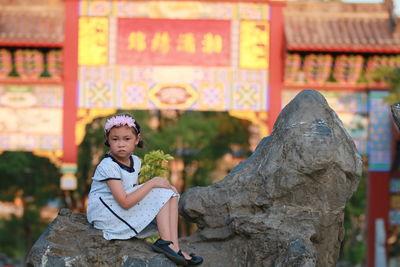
(162, 246)
(194, 260)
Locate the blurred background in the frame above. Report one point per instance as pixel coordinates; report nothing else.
(206, 80)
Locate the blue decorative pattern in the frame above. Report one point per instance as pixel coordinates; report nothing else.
(379, 143)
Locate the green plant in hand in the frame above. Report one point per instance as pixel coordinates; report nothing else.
(154, 164)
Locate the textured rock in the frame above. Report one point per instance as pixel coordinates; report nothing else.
(284, 206)
(395, 108)
(71, 241)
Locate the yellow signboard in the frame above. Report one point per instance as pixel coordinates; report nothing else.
(93, 41)
(254, 48)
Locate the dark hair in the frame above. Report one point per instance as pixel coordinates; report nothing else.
(136, 131)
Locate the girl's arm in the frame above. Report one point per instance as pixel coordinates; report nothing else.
(128, 200)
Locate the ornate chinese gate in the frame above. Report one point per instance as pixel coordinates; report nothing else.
(197, 55)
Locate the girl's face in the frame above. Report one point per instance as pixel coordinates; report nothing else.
(122, 142)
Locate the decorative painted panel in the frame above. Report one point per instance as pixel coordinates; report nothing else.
(394, 217)
(28, 64)
(254, 40)
(54, 64)
(394, 186)
(394, 212)
(30, 117)
(93, 41)
(174, 9)
(380, 134)
(173, 55)
(5, 63)
(317, 68)
(348, 69)
(330, 69)
(395, 201)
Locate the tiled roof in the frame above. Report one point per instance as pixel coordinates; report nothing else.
(337, 26)
(309, 26)
(31, 24)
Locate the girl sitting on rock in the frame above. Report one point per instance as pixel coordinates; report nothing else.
(122, 208)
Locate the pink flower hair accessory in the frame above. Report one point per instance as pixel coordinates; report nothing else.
(119, 120)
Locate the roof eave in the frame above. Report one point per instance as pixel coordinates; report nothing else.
(30, 44)
(345, 49)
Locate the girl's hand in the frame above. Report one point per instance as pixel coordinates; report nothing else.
(173, 188)
(163, 183)
(160, 182)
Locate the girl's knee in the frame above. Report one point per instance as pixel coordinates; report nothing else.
(174, 200)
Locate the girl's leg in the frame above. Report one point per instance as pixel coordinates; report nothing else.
(167, 223)
(163, 222)
(173, 221)
(174, 225)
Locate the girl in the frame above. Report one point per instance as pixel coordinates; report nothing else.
(120, 207)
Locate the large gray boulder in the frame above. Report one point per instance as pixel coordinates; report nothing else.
(284, 206)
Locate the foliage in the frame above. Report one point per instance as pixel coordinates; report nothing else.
(13, 245)
(36, 181)
(27, 175)
(154, 165)
(354, 243)
(390, 76)
(18, 234)
(197, 138)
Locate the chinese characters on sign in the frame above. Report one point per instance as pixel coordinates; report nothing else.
(218, 63)
(173, 42)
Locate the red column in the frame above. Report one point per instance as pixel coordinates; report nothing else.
(378, 207)
(276, 63)
(70, 77)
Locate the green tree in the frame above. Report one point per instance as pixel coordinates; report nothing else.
(198, 138)
(353, 250)
(391, 77)
(36, 181)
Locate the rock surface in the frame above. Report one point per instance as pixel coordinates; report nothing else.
(395, 108)
(284, 206)
(71, 241)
